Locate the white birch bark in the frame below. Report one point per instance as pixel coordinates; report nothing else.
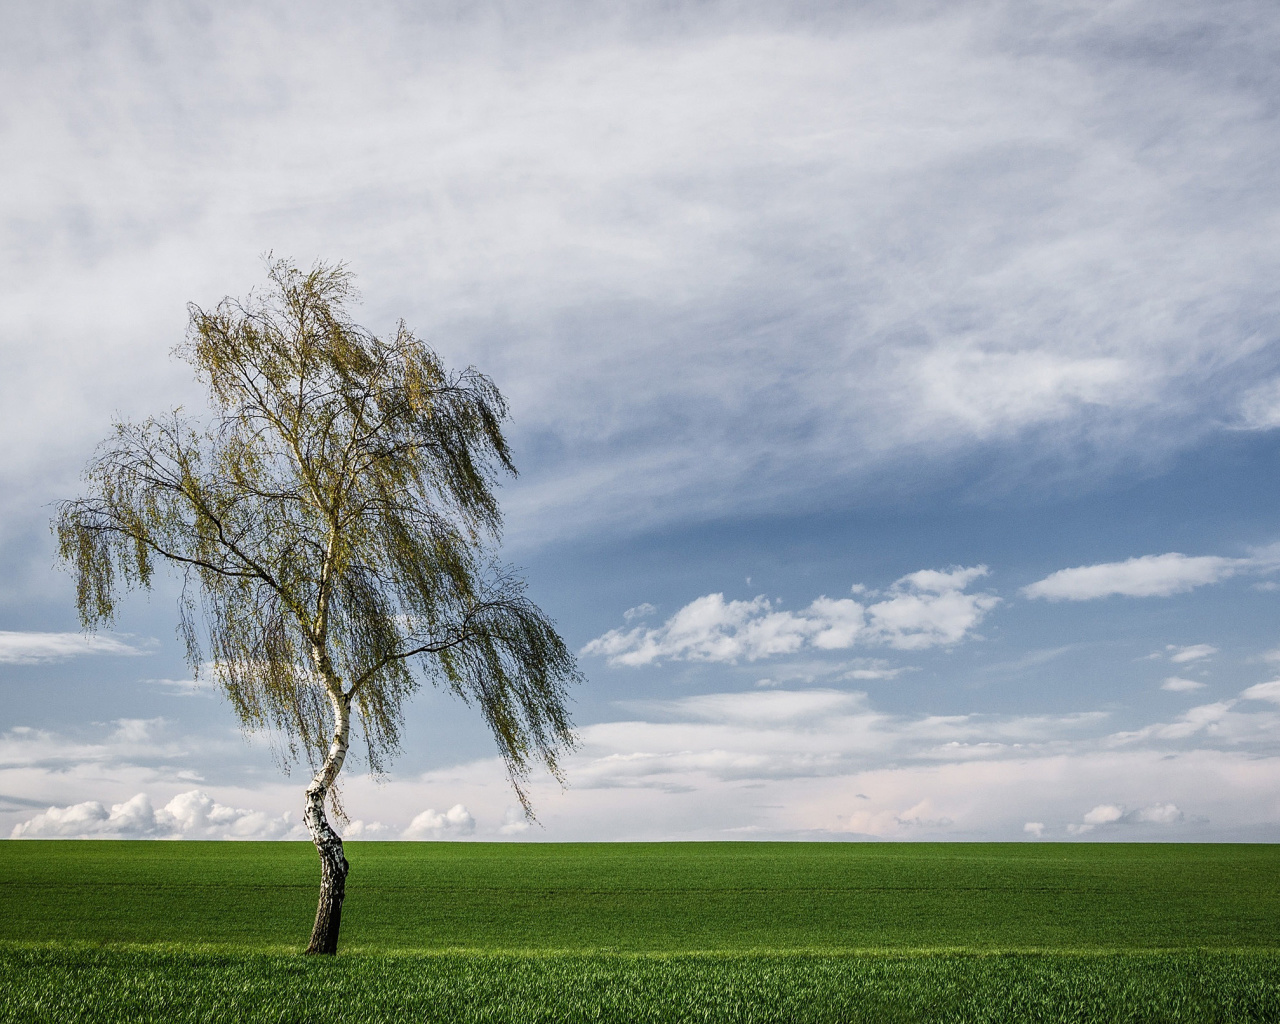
(333, 863)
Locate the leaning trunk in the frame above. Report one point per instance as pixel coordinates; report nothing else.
(333, 865)
(333, 875)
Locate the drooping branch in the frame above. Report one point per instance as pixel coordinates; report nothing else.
(332, 520)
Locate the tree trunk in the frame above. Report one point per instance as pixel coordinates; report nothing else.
(333, 865)
(333, 876)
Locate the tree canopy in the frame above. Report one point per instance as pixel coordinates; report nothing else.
(334, 521)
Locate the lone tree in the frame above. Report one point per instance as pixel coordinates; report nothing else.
(332, 522)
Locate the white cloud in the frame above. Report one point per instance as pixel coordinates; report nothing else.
(1035, 829)
(1146, 576)
(30, 648)
(640, 611)
(360, 829)
(1159, 814)
(202, 687)
(1193, 652)
(1177, 684)
(132, 817)
(432, 824)
(136, 730)
(196, 814)
(1103, 814)
(190, 815)
(1215, 720)
(1263, 691)
(766, 708)
(923, 609)
(873, 672)
(1113, 814)
(514, 822)
(1260, 406)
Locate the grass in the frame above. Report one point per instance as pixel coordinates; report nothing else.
(644, 932)
(154, 984)
(653, 897)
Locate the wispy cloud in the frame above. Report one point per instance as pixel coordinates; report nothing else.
(1263, 691)
(924, 228)
(1193, 652)
(1144, 576)
(30, 648)
(928, 608)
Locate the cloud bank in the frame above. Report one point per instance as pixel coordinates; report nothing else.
(197, 815)
(782, 763)
(190, 815)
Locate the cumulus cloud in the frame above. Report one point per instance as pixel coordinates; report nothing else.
(360, 829)
(432, 824)
(1113, 814)
(30, 648)
(514, 822)
(1177, 684)
(928, 608)
(1145, 576)
(1103, 814)
(190, 815)
(1035, 829)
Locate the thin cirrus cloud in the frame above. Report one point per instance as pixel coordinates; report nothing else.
(31, 648)
(922, 226)
(1190, 652)
(1144, 576)
(928, 608)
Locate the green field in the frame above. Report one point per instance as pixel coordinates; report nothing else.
(636, 932)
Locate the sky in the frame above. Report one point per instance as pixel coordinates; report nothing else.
(895, 390)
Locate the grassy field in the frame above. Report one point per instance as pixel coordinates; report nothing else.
(638, 932)
(161, 985)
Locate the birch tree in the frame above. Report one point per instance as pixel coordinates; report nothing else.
(333, 523)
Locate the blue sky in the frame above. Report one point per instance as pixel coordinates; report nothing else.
(894, 386)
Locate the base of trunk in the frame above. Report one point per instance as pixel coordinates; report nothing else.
(333, 885)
